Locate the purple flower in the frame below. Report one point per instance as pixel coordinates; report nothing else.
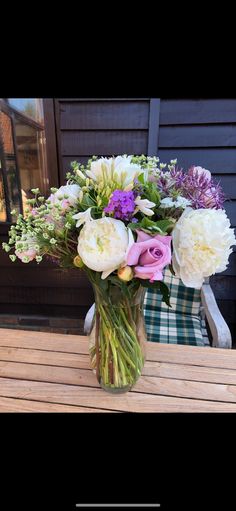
(197, 185)
(121, 205)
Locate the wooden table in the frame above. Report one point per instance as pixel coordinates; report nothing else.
(45, 372)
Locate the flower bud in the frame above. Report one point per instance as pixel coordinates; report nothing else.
(78, 262)
(126, 273)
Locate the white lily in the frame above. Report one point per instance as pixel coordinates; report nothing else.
(119, 169)
(144, 206)
(83, 217)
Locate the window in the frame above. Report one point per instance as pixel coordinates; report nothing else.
(22, 154)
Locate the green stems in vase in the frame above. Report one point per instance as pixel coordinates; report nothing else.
(118, 335)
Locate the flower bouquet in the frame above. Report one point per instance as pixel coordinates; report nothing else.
(122, 220)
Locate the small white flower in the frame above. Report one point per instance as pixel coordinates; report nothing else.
(83, 217)
(182, 202)
(144, 206)
(167, 203)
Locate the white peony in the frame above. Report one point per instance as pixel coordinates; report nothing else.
(201, 245)
(66, 195)
(103, 244)
(119, 170)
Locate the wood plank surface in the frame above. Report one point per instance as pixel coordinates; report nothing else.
(192, 355)
(45, 372)
(97, 398)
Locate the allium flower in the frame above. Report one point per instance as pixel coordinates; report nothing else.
(201, 245)
(119, 170)
(200, 171)
(103, 244)
(71, 193)
(196, 185)
(121, 205)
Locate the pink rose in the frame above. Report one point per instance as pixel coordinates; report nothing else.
(149, 255)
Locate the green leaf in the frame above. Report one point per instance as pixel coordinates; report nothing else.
(165, 293)
(158, 284)
(152, 193)
(151, 227)
(141, 178)
(171, 269)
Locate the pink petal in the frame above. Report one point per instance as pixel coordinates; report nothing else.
(142, 236)
(164, 239)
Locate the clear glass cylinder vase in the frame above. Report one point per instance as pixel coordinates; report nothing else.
(117, 339)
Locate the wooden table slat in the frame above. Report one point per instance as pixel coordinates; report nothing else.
(8, 405)
(97, 398)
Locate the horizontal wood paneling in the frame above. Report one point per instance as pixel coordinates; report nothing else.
(39, 277)
(197, 136)
(46, 295)
(197, 111)
(224, 286)
(228, 184)
(217, 160)
(112, 115)
(231, 270)
(98, 142)
(230, 207)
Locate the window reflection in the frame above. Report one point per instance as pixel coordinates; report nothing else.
(29, 143)
(31, 107)
(9, 163)
(3, 215)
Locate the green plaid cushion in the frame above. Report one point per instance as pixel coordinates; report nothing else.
(173, 328)
(182, 323)
(185, 300)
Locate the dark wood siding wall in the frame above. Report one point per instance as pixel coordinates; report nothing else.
(101, 127)
(203, 132)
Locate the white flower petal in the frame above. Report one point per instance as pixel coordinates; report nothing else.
(144, 206)
(119, 169)
(83, 217)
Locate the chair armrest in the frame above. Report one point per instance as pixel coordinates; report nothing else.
(221, 336)
(88, 322)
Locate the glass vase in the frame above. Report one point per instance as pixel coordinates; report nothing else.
(117, 339)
